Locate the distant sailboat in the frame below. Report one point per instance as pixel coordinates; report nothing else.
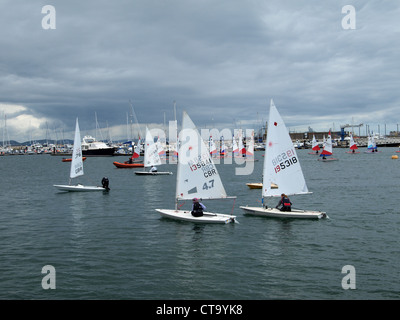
(327, 152)
(371, 148)
(235, 148)
(77, 167)
(282, 172)
(315, 146)
(353, 145)
(136, 150)
(212, 147)
(197, 177)
(151, 156)
(131, 162)
(222, 149)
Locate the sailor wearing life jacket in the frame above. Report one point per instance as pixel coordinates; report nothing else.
(197, 208)
(285, 203)
(105, 182)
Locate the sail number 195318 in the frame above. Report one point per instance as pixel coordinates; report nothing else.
(284, 160)
(285, 164)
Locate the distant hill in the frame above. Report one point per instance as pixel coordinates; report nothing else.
(42, 142)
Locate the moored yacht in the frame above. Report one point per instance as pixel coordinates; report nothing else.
(91, 147)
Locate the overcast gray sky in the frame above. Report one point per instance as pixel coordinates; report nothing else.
(220, 60)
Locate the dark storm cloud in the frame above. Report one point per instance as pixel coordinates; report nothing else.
(220, 60)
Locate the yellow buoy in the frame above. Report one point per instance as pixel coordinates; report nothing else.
(395, 157)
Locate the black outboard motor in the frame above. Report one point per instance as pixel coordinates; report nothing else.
(105, 183)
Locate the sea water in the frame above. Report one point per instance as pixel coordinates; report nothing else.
(116, 246)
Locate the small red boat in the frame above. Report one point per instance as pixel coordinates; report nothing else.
(126, 164)
(70, 159)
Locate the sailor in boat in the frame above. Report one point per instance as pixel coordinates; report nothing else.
(285, 203)
(153, 169)
(105, 182)
(197, 208)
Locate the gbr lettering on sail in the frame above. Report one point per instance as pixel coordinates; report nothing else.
(203, 163)
(284, 160)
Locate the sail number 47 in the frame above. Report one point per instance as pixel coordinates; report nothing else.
(285, 164)
(208, 185)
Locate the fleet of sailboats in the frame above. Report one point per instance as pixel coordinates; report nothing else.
(198, 177)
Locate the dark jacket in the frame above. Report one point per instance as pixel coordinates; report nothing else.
(197, 209)
(285, 203)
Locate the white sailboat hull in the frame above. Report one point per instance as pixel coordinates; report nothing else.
(207, 217)
(144, 173)
(78, 188)
(276, 213)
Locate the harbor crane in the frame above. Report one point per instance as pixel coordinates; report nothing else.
(342, 134)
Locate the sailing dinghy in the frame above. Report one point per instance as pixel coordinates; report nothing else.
(77, 167)
(372, 148)
(353, 145)
(327, 152)
(151, 156)
(282, 169)
(197, 177)
(131, 163)
(315, 146)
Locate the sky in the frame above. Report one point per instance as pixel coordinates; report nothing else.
(220, 60)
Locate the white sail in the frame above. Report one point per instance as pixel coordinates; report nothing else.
(281, 164)
(353, 145)
(197, 175)
(371, 142)
(235, 148)
(327, 151)
(222, 147)
(315, 145)
(250, 148)
(77, 162)
(212, 146)
(242, 150)
(136, 150)
(151, 153)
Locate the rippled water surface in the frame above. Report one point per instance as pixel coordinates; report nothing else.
(116, 246)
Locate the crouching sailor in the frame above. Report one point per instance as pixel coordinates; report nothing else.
(285, 202)
(104, 183)
(197, 208)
